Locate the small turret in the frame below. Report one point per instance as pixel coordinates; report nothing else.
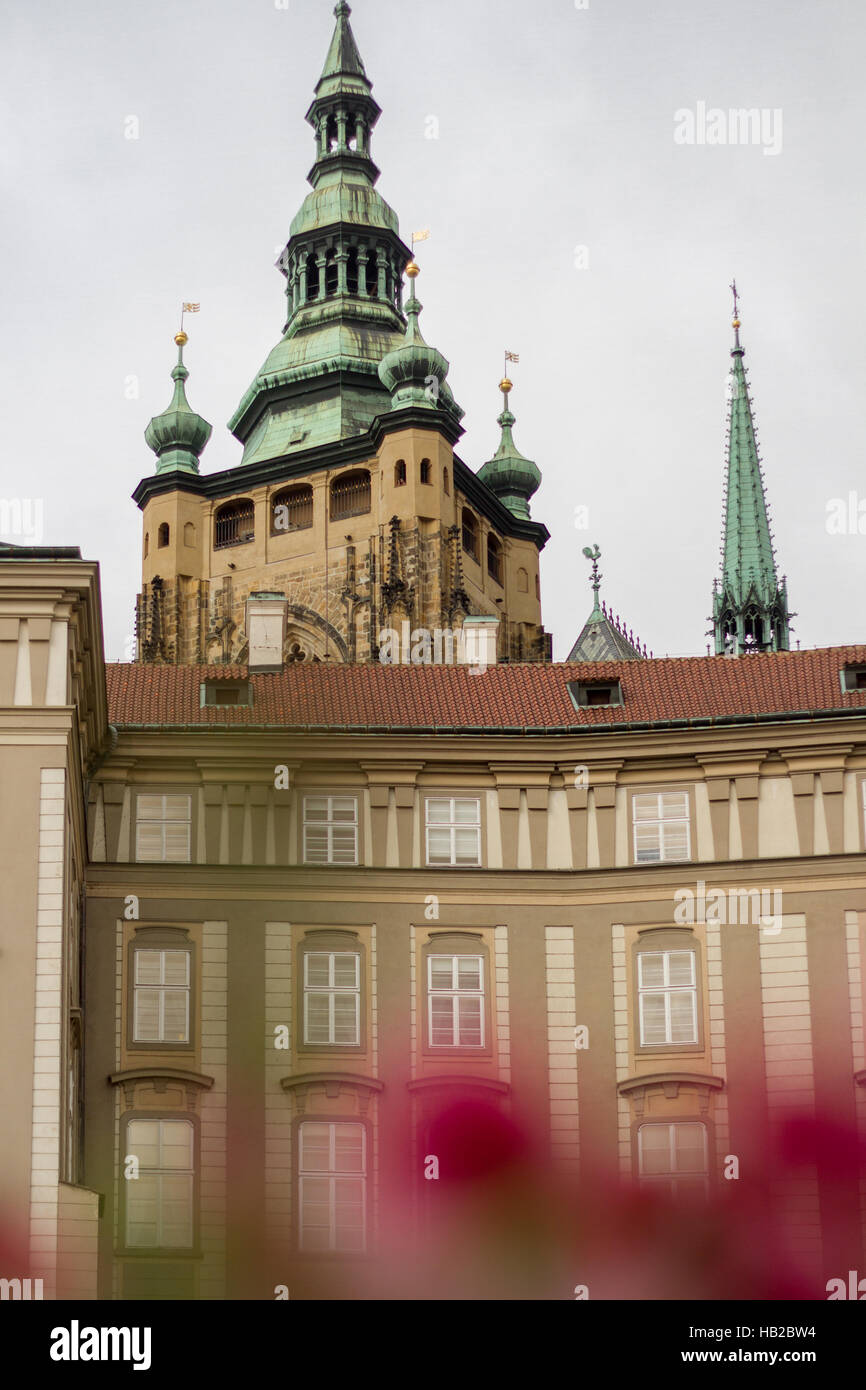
(178, 436)
(512, 477)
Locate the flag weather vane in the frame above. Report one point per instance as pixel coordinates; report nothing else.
(733, 289)
(510, 357)
(188, 309)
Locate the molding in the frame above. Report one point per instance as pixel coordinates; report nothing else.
(636, 1087)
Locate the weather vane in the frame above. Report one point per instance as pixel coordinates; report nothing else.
(733, 289)
(593, 553)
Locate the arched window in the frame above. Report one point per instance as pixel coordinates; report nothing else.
(331, 134)
(146, 544)
(446, 482)
(312, 279)
(189, 534)
(426, 471)
(470, 533)
(522, 582)
(292, 510)
(753, 629)
(352, 130)
(331, 276)
(494, 557)
(352, 270)
(163, 536)
(538, 588)
(350, 495)
(234, 524)
(400, 473)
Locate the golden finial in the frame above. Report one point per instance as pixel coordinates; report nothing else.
(736, 323)
(413, 270)
(506, 386)
(181, 339)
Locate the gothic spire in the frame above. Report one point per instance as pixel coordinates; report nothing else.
(750, 606)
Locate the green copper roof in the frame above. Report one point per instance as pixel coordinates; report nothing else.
(414, 372)
(511, 476)
(343, 266)
(750, 589)
(602, 638)
(343, 60)
(178, 436)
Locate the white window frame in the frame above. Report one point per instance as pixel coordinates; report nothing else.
(331, 990)
(159, 1173)
(162, 989)
(452, 825)
(660, 821)
(456, 994)
(162, 820)
(332, 1176)
(666, 989)
(672, 1179)
(329, 825)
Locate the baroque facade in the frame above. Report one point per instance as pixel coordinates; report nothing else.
(330, 978)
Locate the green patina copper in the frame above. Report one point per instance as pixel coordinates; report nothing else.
(603, 637)
(343, 264)
(415, 372)
(508, 474)
(750, 606)
(178, 436)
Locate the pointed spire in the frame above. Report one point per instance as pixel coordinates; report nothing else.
(604, 637)
(343, 60)
(750, 610)
(509, 474)
(178, 436)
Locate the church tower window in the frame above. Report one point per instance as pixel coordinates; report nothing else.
(351, 495)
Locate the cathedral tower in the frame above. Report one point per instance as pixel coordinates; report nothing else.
(349, 507)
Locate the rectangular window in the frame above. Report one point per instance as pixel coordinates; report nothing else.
(330, 830)
(668, 998)
(661, 827)
(159, 1202)
(162, 829)
(161, 985)
(455, 994)
(674, 1157)
(332, 999)
(454, 832)
(333, 1188)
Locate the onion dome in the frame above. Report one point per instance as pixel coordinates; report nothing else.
(414, 372)
(508, 474)
(178, 436)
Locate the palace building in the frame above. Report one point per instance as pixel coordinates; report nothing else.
(299, 948)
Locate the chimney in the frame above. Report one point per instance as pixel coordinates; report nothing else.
(266, 629)
(478, 647)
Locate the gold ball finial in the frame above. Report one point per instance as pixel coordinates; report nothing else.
(181, 339)
(413, 270)
(506, 385)
(736, 323)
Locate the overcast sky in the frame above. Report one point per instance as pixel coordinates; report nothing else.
(568, 225)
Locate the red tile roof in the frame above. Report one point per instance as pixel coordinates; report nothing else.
(523, 697)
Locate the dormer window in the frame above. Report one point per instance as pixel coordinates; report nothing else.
(585, 694)
(853, 678)
(226, 694)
